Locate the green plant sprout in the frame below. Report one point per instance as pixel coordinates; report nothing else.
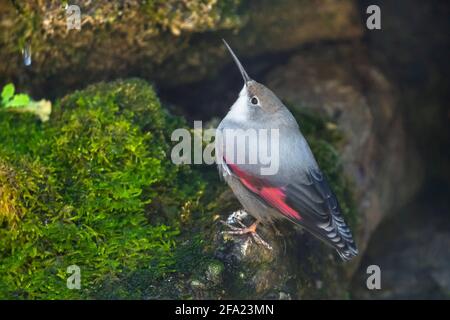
(21, 102)
(10, 99)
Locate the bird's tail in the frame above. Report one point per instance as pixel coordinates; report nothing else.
(348, 252)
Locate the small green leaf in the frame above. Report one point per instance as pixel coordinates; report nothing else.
(7, 92)
(19, 100)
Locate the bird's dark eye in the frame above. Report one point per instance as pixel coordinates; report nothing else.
(254, 100)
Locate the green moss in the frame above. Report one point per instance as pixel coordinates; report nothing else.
(214, 271)
(149, 32)
(79, 188)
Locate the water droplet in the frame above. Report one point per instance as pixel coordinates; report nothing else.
(26, 52)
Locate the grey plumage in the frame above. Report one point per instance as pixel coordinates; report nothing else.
(298, 191)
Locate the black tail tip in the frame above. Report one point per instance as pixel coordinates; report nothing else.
(348, 253)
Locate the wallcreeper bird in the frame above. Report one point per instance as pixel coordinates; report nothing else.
(297, 191)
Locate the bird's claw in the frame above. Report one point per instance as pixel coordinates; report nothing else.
(257, 238)
(246, 230)
(236, 230)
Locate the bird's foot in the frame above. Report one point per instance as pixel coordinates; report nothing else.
(246, 230)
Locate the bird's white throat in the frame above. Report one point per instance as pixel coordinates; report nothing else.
(239, 110)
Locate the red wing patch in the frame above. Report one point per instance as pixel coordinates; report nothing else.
(275, 196)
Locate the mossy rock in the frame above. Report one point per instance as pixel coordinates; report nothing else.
(95, 187)
(77, 191)
(167, 41)
(149, 33)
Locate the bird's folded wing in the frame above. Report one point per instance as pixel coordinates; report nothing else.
(322, 215)
(307, 201)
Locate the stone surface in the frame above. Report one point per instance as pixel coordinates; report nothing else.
(297, 266)
(169, 42)
(414, 263)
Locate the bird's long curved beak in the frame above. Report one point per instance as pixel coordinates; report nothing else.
(241, 68)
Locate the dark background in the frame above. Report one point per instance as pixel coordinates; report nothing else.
(412, 247)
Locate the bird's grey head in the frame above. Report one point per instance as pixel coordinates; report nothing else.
(255, 100)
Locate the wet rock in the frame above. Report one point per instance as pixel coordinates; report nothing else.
(214, 272)
(290, 270)
(156, 41)
(197, 285)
